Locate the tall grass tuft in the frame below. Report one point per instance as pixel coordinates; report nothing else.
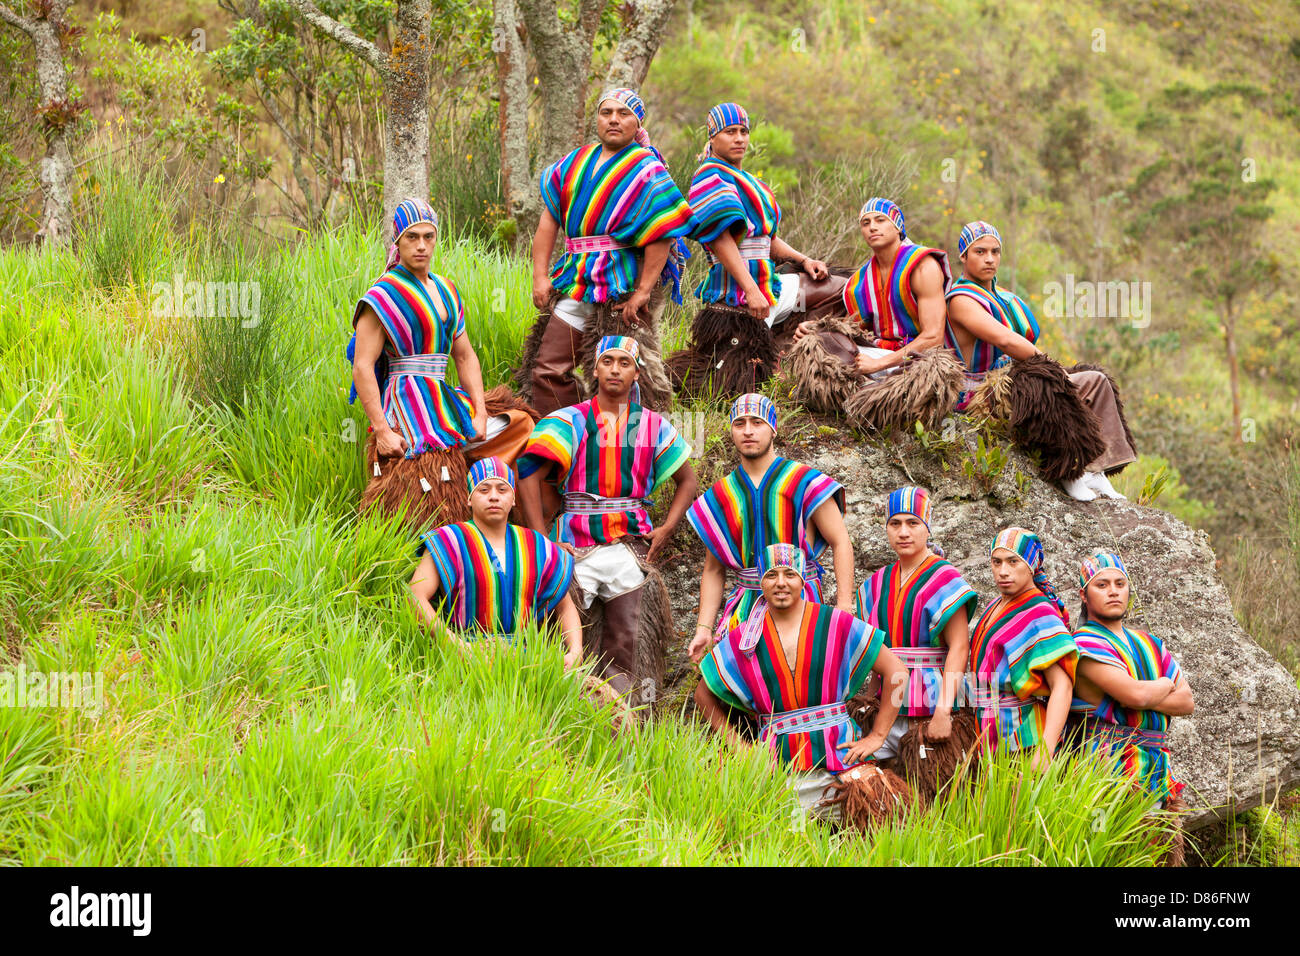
(123, 236)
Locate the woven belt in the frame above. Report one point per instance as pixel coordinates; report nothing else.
(589, 504)
(427, 366)
(1135, 735)
(753, 247)
(915, 657)
(805, 719)
(988, 701)
(581, 244)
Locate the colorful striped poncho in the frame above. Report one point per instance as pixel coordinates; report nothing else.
(835, 656)
(889, 304)
(1005, 307)
(1143, 755)
(492, 593)
(628, 455)
(1014, 642)
(630, 198)
(725, 198)
(913, 613)
(737, 519)
(420, 319)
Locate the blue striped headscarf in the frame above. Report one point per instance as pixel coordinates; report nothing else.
(1029, 547)
(760, 406)
(909, 500)
(724, 115)
(409, 212)
(1097, 562)
(975, 230)
(486, 468)
(889, 208)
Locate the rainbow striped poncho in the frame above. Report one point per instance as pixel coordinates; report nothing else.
(913, 613)
(1006, 308)
(737, 520)
(725, 198)
(1142, 656)
(490, 593)
(835, 657)
(632, 198)
(420, 319)
(628, 455)
(888, 305)
(1014, 642)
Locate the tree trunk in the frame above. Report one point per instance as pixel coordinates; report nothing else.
(643, 27)
(563, 56)
(56, 113)
(406, 129)
(517, 183)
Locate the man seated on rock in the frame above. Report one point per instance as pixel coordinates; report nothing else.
(1130, 682)
(987, 327)
(896, 313)
(795, 664)
(610, 455)
(493, 576)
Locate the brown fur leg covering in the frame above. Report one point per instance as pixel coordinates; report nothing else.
(924, 390)
(931, 774)
(869, 796)
(1172, 812)
(1048, 416)
(656, 389)
(991, 398)
(819, 366)
(398, 485)
(731, 353)
(1119, 406)
(532, 346)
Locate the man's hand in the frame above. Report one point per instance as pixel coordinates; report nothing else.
(563, 546)
(572, 658)
(636, 307)
(940, 726)
(861, 750)
(657, 538)
(389, 444)
(755, 304)
(816, 269)
(699, 645)
(479, 424)
(1042, 758)
(804, 328)
(865, 365)
(542, 292)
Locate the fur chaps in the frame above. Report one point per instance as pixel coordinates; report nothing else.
(932, 773)
(656, 390)
(819, 366)
(925, 390)
(869, 796)
(1172, 814)
(1119, 406)
(397, 487)
(731, 353)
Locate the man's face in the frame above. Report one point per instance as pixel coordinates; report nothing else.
(415, 248)
(981, 259)
(731, 144)
(492, 499)
(1010, 572)
(878, 230)
(907, 535)
(1106, 596)
(615, 372)
(752, 436)
(616, 124)
(782, 587)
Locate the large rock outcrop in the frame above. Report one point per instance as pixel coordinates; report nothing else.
(1242, 743)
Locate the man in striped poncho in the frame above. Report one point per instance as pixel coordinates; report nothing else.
(622, 217)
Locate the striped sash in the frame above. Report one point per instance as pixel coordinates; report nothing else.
(586, 503)
(1122, 733)
(433, 365)
(986, 699)
(805, 719)
(752, 247)
(584, 244)
(915, 657)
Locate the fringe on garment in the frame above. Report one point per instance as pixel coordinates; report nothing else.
(397, 487)
(868, 796)
(731, 353)
(933, 773)
(1172, 813)
(924, 390)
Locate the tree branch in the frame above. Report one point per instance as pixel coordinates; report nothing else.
(341, 35)
(14, 20)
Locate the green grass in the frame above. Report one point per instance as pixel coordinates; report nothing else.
(269, 696)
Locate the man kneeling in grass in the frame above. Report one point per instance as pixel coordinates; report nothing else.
(794, 664)
(494, 576)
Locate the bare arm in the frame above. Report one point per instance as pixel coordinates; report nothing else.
(956, 636)
(814, 268)
(830, 523)
(1125, 690)
(711, 708)
(1058, 705)
(893, 673)
(470, 373)
(728, 253)
(571, 627)
(1179, 703)
(712, 581)
(636, 307)
(966, 313)
(927, 286)
(370, 343)
(686, 484)
(543, 247)
(530, 500)
(424, 587)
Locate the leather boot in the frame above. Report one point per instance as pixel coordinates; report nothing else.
(617, 654)
(553, 383)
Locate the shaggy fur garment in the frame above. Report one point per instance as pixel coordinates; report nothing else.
(924, 390)
(1173, 810)
(731, 353)
(931, 774)
(869, 796)
(817, 368)
(656, 390)
(397, 487)
(1119, 406)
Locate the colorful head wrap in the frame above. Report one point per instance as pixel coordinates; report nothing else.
(975, 230)
(632, 101)
(760, 406)
(486, 468)
(1097, 562)
(1030, 548)
(619, 343)
(909, 500)
(409, 212)
(781, 556)
(724, 115)
(889, 208)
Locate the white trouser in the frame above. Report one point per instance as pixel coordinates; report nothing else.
(786, 301)
(810, 789)
(573, 312)
(870, 352)
(895, 737)
(607, 571)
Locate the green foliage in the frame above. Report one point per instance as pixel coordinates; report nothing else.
(123, 233)
(985, 463)
(1152, 480)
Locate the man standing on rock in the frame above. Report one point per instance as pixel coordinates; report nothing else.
(610, 455)
(767, 500)
(1129, 680)
(794, 664)
(622, 214)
